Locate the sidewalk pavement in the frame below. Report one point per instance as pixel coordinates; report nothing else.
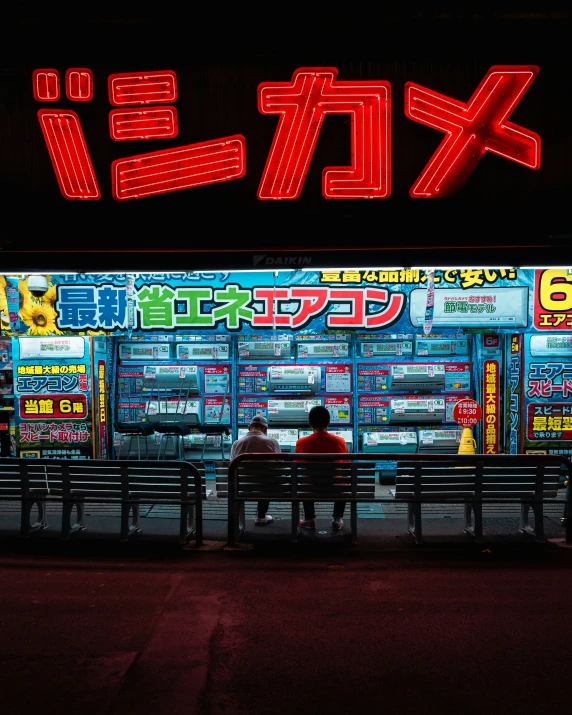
(97, 627)
(379, 527)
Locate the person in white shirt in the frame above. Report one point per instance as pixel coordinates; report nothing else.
(257, 441)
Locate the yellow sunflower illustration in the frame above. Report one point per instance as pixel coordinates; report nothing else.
(5, 318)
(40, 318)
(50, 296)
(26, 298)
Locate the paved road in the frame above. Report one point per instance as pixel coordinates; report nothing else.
(151, 629)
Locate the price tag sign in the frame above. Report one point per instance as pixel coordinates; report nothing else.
(467, 413)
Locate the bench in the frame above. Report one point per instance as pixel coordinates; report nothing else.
(279, 478)
(215, 474)
(494, 479)
(470, 480)
(73, 483)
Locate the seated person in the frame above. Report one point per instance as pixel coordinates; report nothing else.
(321, 441)
(257, 441)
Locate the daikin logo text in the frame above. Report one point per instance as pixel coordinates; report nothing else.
(263, 259)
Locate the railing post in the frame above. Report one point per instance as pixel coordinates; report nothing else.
(295, 503)
(417, 503)
(231, 536)
(25, 506)
(124, 481)
(539, 501)
(478, 501)
(67, 504)
(353, 503)
(198, 506)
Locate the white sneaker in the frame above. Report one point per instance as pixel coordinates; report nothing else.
(265, 520)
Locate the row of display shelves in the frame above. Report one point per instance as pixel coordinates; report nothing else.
(285, 346)
(442, 440)
(371, 410)
(288, 347)
(453, 377)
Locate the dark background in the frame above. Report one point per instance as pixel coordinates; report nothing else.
(220, 56)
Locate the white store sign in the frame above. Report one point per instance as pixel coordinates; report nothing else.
(497, 307)
(48, 348)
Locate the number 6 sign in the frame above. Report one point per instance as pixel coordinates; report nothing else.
(467, 413)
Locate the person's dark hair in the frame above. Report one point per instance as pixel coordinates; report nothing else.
(319, 417)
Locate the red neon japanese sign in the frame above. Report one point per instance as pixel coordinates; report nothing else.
(79, 84)
(473, 128)
(156, 123)
(130, 88)
(181, 168)
(481, 125)
(303, 104)
(46, 85)
(68, 152)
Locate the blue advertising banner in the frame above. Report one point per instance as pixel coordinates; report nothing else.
(548, 393)
(52, 397)
(288, 300)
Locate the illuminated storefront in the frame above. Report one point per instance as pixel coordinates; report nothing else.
(218, 348)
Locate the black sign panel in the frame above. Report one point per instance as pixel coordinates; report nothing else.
(219, 64)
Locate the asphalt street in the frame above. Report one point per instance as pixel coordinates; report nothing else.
(101, 627)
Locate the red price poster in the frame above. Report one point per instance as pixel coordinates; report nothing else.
(338, 378)
(339, 409)
(553, 299)
(553, 421)
(213, 409)
(34, 407)
(216, 379)
(253, 378)
(367, 401)
(467, 413)
(373, 378)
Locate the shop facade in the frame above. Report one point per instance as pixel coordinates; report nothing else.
(388, 351)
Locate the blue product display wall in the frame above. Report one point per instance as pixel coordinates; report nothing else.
(213, 350)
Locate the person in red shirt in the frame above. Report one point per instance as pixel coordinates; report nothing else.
(321, 441)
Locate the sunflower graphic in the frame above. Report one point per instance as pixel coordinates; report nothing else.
(26, 298)
(50, 296)
(40, 319)
(4, 317)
